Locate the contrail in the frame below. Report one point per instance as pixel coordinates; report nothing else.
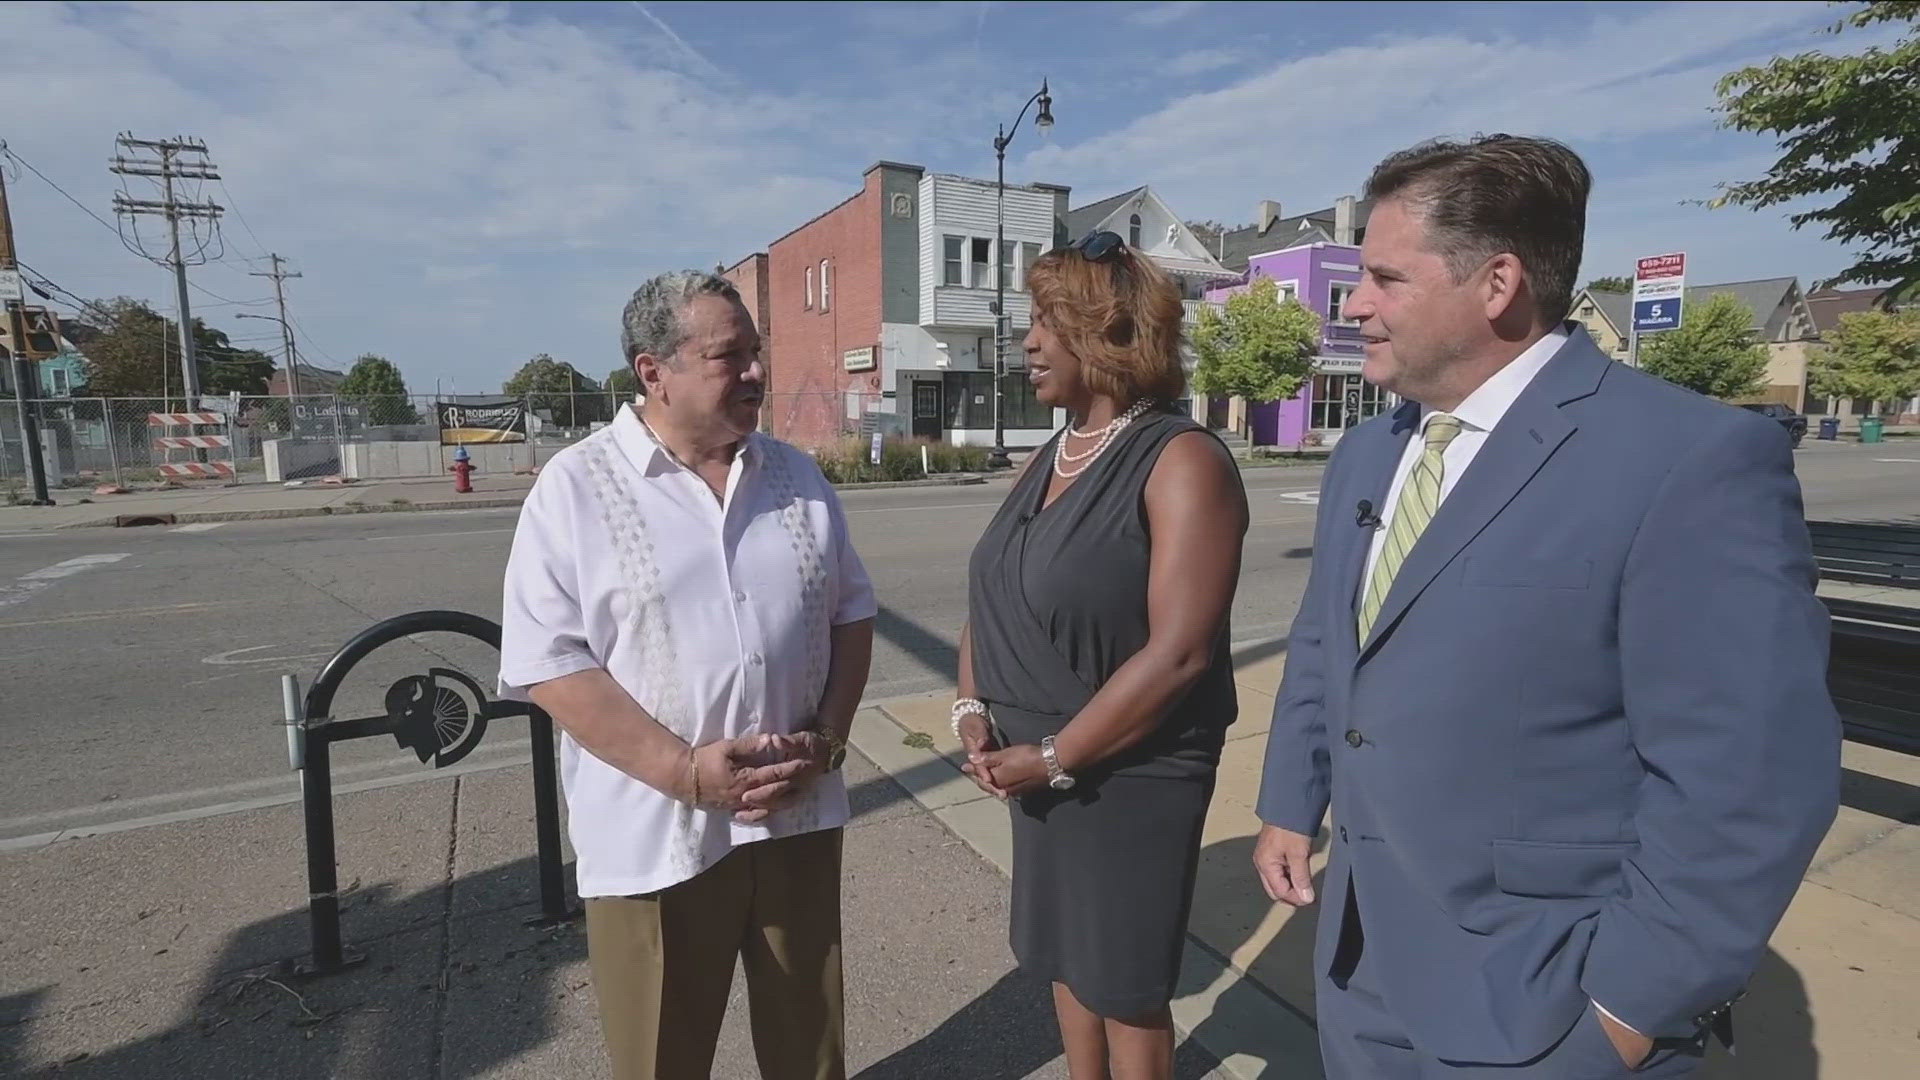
(710, 68)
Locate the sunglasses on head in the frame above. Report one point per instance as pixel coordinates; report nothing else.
(1095, 247)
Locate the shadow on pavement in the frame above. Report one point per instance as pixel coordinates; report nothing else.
(933, 652)
(1880, 796)
(1774, 1024)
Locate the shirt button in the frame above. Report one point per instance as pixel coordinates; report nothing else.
(739, 597)
(755, 660)
(1354, 739)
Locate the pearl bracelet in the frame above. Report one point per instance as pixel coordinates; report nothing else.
(964, 707)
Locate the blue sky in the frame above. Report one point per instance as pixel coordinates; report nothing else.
(464, 185)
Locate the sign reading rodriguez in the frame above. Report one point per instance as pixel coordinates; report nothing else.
(487, 422)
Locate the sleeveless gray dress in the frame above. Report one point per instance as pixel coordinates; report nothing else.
(1102, 874)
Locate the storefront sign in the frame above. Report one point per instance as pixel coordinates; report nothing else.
(860, 359)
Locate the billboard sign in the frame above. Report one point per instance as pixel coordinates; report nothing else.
(1659, 290)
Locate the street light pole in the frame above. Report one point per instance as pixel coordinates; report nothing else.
(286, 340)
(1043, 120)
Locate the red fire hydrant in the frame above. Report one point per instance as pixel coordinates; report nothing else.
(461, 470)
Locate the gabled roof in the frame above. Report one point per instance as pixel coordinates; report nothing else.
(1827, 305)
(1084, 220)
(1615, 307)
(1766, 298)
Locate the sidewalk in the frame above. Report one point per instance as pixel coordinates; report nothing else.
(150, 954)
(1833, 997)
(253, 502)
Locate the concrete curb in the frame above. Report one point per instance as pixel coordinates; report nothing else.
(190, 517)
(1252, 1035)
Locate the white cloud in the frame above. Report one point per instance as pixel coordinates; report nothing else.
(1164, 14)
(1202, 61)
(1632, 92)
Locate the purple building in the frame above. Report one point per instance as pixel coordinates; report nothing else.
(1319, 275)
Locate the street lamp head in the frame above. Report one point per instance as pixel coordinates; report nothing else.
(1044, 121)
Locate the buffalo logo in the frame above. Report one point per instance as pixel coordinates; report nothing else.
(440, 715)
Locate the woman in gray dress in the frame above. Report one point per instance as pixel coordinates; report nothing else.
(1096, 684)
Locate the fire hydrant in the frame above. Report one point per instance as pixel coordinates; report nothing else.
(461, 470)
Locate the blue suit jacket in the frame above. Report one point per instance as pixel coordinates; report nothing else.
(1588, 749)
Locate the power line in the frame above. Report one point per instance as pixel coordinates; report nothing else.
(174, 159)
(4, 149)
(316, 345)
(232, 202)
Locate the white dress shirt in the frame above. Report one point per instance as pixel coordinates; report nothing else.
(1478, 415)
(715, 615)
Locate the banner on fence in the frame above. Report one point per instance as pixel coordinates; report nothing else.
(487, 422)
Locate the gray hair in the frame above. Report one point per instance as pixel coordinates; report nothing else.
(651, 322)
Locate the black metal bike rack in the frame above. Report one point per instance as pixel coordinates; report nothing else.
(441, 716)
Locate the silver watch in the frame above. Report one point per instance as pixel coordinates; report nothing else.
(1057, 778)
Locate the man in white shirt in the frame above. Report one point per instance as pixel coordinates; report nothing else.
(1559, 669)
(683, 599)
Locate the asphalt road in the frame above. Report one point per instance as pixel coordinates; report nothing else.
(139, 669)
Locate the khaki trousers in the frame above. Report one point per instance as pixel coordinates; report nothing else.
(663, 964)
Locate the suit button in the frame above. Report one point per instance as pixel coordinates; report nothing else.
(1354, 740)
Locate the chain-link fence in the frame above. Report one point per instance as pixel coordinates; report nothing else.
(250, 440)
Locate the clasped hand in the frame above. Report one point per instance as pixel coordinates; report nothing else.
(754, 775)
(1002, 772)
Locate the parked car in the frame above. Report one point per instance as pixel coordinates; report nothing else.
(1794, 423)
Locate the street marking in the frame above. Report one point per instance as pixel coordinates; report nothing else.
(126, 613)
(1310, 497)
(199, 527)
(419, 536)
(233, 656)
(1908, 460)
(28, 584)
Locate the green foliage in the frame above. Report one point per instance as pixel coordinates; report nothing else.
(1849, 127)
(377, 385)
(850, 460)
(558, 392)
(133, 351)
(1260, 348)
(1610, 285)
(1873, 356)
(622, 383)
(1713, 352)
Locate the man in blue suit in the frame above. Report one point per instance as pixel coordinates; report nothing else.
(1559, 667)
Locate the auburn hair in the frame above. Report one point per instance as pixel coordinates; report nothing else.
(1121, 317)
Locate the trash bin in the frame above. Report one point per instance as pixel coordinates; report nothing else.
(1870, 429)
(1829, 428)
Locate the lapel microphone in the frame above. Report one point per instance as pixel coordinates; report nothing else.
(1364, 515)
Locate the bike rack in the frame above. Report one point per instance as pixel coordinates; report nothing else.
(441, 716)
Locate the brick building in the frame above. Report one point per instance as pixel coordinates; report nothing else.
(878, 310)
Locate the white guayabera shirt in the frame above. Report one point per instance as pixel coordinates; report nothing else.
(715, 615)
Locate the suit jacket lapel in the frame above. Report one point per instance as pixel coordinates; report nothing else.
(1532, 430)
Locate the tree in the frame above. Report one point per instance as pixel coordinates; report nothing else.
(1260, 348)
(1610, 284)
(554, 388)
(622, 382)
(1713, 352)
(378, 387)
(133, 351)
(1873, 356)
(1850, 126)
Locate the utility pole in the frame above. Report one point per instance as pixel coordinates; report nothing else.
(279, 277)
(13, 299)
(168, 167)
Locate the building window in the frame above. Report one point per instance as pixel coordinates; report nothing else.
(1029, 254)
(982, 262)
(1006, 264)
(826, 285)
(58, 378)
(1333, 394)
(969, 402)
(1337, 295)
(956, 261)
(1133, 231)
(809, 303)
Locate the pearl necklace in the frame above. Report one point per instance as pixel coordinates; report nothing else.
(1061, 456)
